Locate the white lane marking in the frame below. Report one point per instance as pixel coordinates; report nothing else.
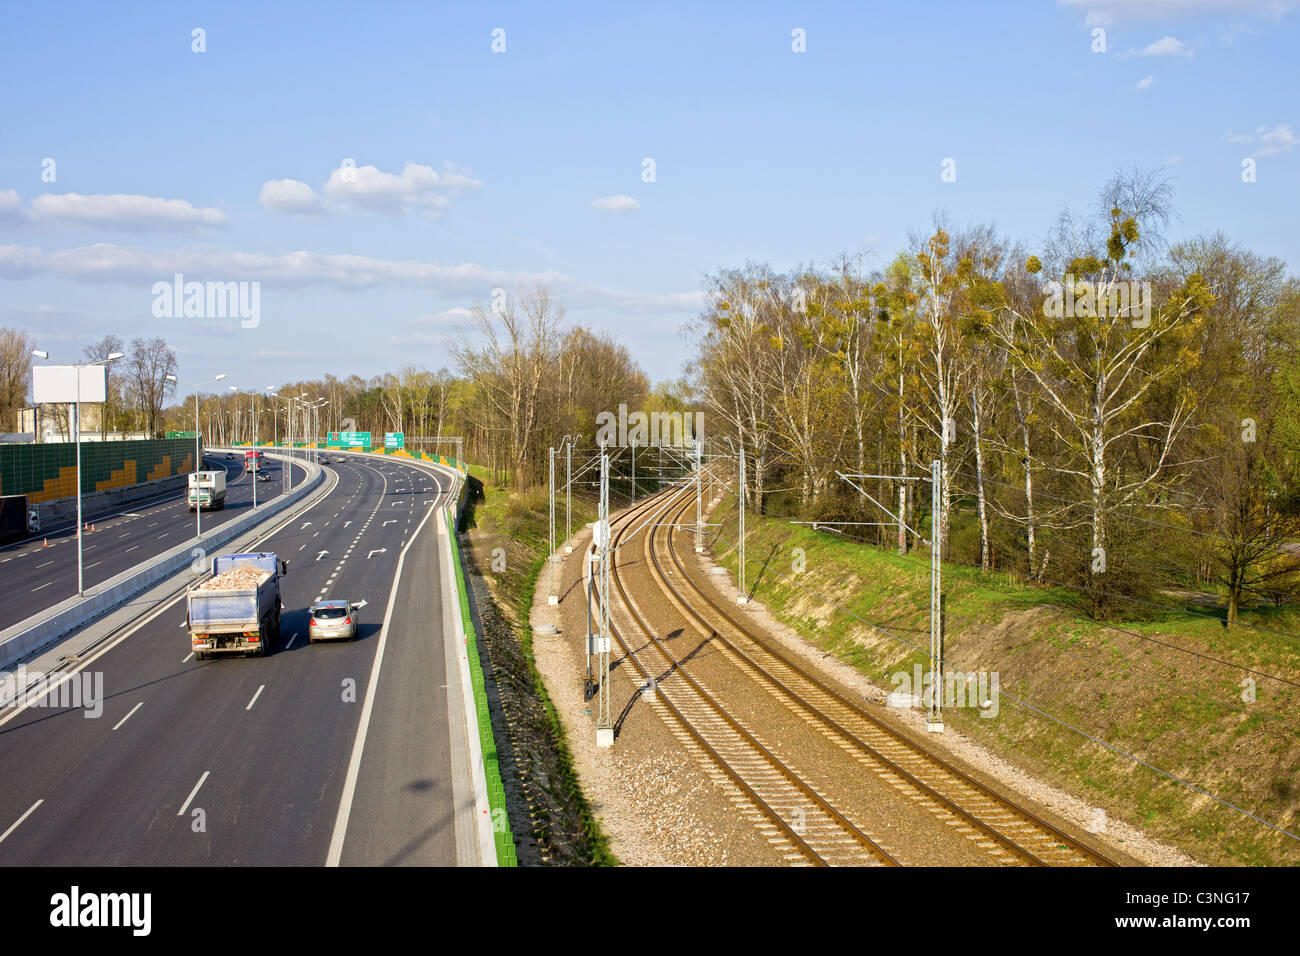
(187, 657)
(291, 640)
(128, 716)
(193, 793)
(45, 565)
(124, 534)
(255, 696)
(89, 566)
(130, 549)
(9, 713)
(5, 835)
(45, 585)
(359, 745)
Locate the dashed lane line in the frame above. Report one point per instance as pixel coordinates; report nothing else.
(193, 794)
(128, 715)
(30, 810)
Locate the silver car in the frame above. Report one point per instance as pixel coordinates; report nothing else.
(332, 620)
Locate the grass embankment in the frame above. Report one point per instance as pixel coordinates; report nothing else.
(1168, 689)
(532, 736)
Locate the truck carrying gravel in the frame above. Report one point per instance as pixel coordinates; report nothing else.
(237, 610)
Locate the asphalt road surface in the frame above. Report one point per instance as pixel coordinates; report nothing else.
(40, 572)
(238, 761)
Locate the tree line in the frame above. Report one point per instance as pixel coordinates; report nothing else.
(138, 385)
(1106, 410)
(523, 380)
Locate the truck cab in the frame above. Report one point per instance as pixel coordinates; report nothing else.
(207, 490)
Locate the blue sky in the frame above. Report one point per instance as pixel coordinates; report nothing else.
(478, 169)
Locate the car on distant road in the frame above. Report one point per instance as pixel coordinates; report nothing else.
(332, 620)
(229, 456)
(324, 460)
(263, 476)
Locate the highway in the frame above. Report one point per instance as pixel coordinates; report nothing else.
(40, 572)
(240, 761)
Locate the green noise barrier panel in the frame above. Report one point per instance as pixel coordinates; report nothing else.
(47, 471)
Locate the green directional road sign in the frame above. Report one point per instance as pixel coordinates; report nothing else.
(347, 439)
(394, 440)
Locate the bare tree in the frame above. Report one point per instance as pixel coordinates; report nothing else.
(521, 346)
(15, 374)
(148, 365)
(101, 350)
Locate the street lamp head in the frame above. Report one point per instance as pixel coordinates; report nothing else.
(41, 353)
(114, 356)
(170, 377)
(220, 377)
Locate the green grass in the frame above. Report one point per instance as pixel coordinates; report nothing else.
(520, 521)
(1179, 711)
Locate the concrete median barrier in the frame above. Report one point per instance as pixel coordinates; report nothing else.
(40, 630)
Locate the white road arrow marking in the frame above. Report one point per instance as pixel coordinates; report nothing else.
(305, 524)
(321, 555)
(375, 552)
(360, 604)
(388, 522)
(346, 523)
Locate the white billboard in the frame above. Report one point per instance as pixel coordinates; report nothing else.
(58, 383)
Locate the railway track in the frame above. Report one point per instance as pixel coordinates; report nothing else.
(800, 820)
(1008, 832)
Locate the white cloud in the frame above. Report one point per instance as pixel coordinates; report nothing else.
(1104, 13)
(456, 314)
(1145, 83)
(123, 211)
(417, 188)
(1166, 46)
(1279, 139)
(581, 294)
(620, 203)
(290, 196)
(11, 205)
(108, 263)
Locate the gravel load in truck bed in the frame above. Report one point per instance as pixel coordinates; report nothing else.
(235, 579)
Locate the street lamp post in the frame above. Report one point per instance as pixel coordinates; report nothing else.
(198, 455)
(39, 353)
(315, 407)
(253, 414)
